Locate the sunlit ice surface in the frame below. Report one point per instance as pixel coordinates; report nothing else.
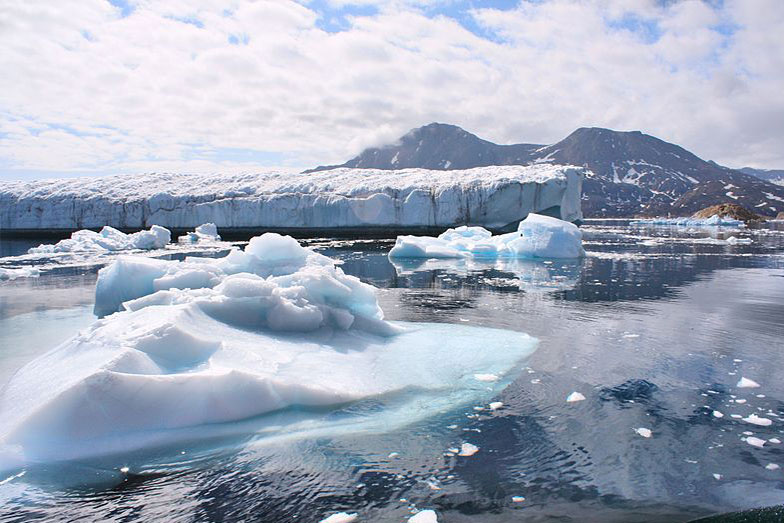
(654, 328)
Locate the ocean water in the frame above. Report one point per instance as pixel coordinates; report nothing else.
(654, 328)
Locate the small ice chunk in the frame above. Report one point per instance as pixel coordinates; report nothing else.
(468, 449)
(717, 414)
(424, 516)
(717, 476)
(740, 401)
(757, 420)
(755, 442)
(645, 433)
(746, 383)
(340, 517)
(124, 470)
(775, 440)
(631, 335)
(772, 466)
(486, 377)
(575, 396)
(393, 455)
(495, 405)
(736, 416)
(517, 499)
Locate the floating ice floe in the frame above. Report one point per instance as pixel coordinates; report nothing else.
(713, 221)
(746, 383)
(575, 396)
(772, 466)
(194, 348)
(206, 232)
(517, 499)
(22, 272)
(757, 420)
(645, 433)
(108, 239)
(536, 237)
(340, 517)
(755, 442)
(495, 405)
(468, 449)
(424, 516)
(717, 414)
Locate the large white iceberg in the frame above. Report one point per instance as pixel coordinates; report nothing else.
(536, 237)
(492, 196)
(204, 344)
(108, 239)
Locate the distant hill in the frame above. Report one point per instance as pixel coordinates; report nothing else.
(631, 173)
(769, 175)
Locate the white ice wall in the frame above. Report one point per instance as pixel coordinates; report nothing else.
(489, 196)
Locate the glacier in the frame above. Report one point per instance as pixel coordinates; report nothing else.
(536, 237)
(191, 349)
(492, 197)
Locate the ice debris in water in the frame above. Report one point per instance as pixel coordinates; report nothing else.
(645, 433)
(772, 466)
(775, 440)
(424, 516)
(108, 239)
(201, 342)
(340, 517)
(717, 476)
(537, 237)
(468, 449)
(714, 220)
(746, 383)
(757, 420)
(495, 405)
(755, 442)
(486, 377)
(717, 414)
(575, 396)
(22, 272)
(206, 232)
(517, 499)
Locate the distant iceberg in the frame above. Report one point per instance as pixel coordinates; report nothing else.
(536, 237)
(713, 221)
(203, 347)
(108, 239)
(206, 232)
(492, 197)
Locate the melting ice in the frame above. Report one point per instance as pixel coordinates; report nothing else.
(188, 349)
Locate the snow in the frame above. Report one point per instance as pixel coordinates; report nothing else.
(490, 196)
(207, 346)
(575, 396)
(536, 237)
(424, 516)
(206, 232)
(340, 517)
(468, 449)
(746, 383)
(108, 239)
(715, 220)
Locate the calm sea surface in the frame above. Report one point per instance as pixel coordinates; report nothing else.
(655, 328)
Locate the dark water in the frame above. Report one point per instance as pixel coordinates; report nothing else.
(654, 328)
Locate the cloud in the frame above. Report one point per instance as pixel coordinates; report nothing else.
(94, 87)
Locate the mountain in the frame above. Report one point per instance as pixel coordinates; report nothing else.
(631, 173)
(438, 146)
(770, 175)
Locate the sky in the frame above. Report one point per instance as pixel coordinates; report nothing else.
(94, 87)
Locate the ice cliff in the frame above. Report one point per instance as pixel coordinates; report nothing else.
(492, 197)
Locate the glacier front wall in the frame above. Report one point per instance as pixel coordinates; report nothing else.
(345, 198)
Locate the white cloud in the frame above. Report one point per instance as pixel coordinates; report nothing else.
(166, 87)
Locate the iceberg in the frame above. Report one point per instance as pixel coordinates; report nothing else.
(713, 221)
(205, 346)
(108, 239)
(492, 197)
(206, 232)
(8, 273)
(536, 237)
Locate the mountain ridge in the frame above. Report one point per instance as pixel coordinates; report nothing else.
(631, 173)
